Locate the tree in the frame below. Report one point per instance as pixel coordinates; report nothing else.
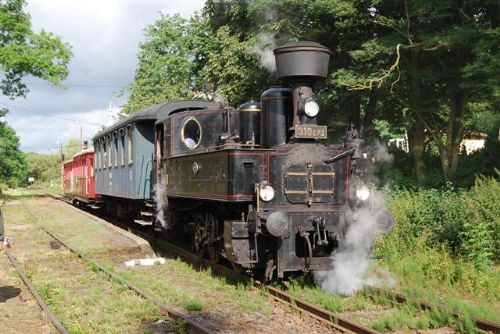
(24, 52)
(440, 57)
(71, 147)
(173, 53)
(42, 167)
(419, 66)
(234, 69)
(12, 163)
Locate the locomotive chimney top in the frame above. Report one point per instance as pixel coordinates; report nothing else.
(300, 64)
(298, 61)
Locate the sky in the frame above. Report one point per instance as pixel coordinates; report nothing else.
(104, 36)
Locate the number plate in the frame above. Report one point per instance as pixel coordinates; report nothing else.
(311, 131)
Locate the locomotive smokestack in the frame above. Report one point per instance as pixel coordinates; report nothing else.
(300, 64)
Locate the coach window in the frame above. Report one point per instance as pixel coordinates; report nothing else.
(116, 148)
(98, 162)
(122, 147)
(96, 155)
(97, 152)
(110, 150)
(130, 130)
(191, 133)
(101, 158)
(105, 153)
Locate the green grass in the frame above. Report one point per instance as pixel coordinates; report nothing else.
(443, 250)
(179, 326)
(204, 288)
(194, 306)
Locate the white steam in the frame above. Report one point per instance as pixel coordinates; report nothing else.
(264, 49)
(161, 203)
(351, 263)
(381, 154)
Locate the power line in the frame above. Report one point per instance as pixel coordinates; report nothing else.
(76, 85)
(47, 115)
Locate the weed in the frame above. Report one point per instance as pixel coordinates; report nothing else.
(465, 325)
(194, 306)
(179, 326)
(313, 294)
(94, 266)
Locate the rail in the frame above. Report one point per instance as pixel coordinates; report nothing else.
(45, 308)
(484, 326)
(193, 326)
(337, 322)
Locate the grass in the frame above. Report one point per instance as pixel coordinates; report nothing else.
(434, 276)
(443, 250)
(204, 289)
(84, 300)
(411, 317)
(87, 303)
(179, 326)
(194, 306)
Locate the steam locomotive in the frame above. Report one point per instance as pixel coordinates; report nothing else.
(257, 185)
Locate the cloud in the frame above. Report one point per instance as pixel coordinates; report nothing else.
(104, 36)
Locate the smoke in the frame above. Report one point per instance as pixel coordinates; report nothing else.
(380, 153)
(264, 49)
(351, 263)
(161, 203)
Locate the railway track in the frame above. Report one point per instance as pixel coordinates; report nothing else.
(194, 327)
(45, 308)
(337, 322)
(483, 326)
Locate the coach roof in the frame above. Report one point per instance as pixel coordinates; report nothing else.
(157, 111)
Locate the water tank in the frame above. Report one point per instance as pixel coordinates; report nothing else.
(276, 116)
(250, 122)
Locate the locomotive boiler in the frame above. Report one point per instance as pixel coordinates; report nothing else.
(259, 185)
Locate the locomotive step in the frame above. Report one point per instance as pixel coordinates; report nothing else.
(150, 205)
(147, 214)
(143, 222)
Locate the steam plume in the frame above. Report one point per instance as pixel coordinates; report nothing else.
(160, 201)
(264, 49)
(352, 261)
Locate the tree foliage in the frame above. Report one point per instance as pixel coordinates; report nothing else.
(71, 147)
(43, 167)
(24, 52)
(12, 161)
(170, 61)
(421, 68)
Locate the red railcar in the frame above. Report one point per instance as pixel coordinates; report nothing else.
(78, 178)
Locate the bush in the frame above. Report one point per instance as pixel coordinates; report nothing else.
(464, 222)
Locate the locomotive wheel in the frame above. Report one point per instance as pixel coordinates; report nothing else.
(215, 242)
(199, 235)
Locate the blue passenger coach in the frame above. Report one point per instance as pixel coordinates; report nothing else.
(124, 159)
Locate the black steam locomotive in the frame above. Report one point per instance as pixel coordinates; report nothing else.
(255, 185)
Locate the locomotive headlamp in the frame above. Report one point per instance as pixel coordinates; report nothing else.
(266, 193)
(311, 108)
(363, 193)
